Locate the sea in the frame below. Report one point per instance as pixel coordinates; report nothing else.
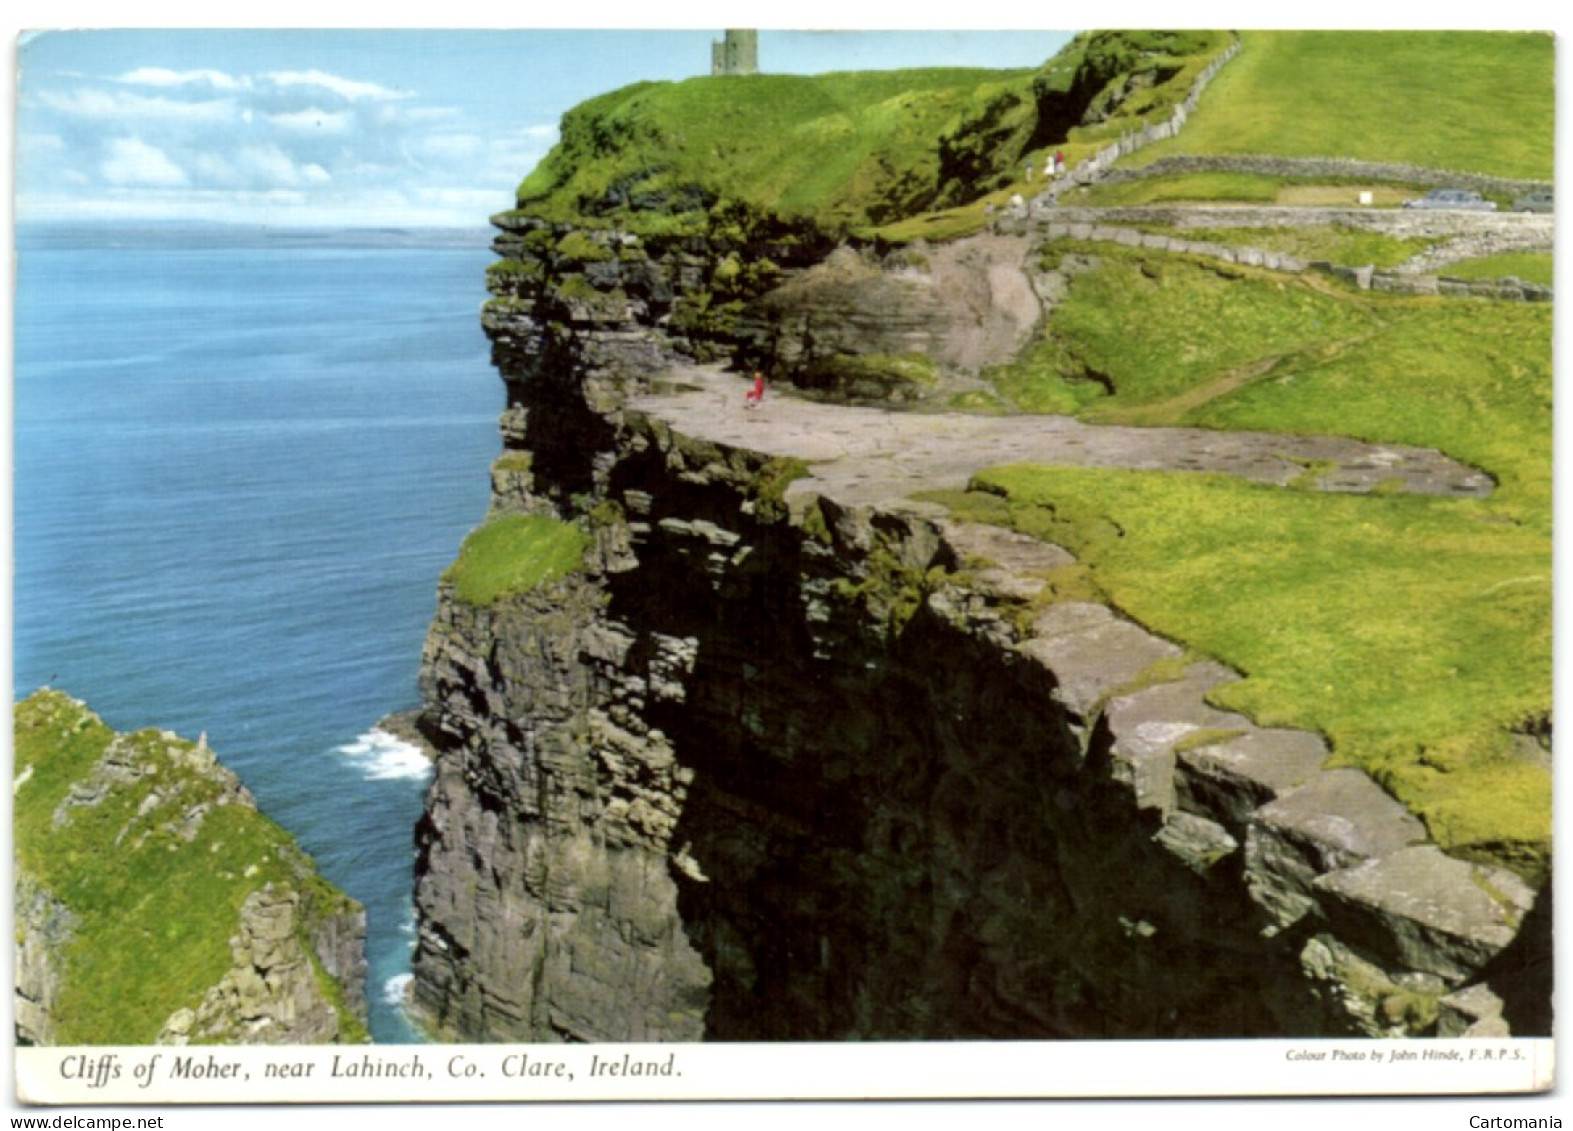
(242, 459)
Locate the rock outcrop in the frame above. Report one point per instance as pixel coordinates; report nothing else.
(155, 904)
(795, 757)
(273, 993)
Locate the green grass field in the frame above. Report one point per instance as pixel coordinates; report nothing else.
(1187, 188)
(514, 554)
(1414, 632)
(1532, 267)
(1242, 188)
(1472, 101)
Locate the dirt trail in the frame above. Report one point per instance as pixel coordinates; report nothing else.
(1166, 411)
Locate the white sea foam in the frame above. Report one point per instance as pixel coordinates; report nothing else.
(382, 756)
(393, 988)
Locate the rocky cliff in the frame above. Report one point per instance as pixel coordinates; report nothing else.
(792, 756)
(155, 904)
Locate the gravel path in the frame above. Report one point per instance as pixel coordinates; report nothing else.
(868, 455)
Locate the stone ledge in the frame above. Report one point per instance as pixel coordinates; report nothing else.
(1427, 910)
(1232, 779)
(1092, 661)
(1147, 724)
(1337, 819)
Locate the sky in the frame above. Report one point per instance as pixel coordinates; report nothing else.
(362, 127)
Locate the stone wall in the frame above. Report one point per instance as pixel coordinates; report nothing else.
(1327, 168)
(1098, 165)
(1518, 229)
(1364, 277)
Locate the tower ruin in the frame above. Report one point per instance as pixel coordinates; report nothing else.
(735, 54)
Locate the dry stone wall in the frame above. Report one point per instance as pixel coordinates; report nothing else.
(1098, 165)
(1095, 225)
(1327, 168)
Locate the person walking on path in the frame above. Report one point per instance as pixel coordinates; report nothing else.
(755, 396)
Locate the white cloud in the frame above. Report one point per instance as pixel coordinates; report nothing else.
(304, 145)
(509, 159)
(314, 121)
(469, 202)
(211, 169)
(351, 89)
(164, 77)
(115, 105)
(372, 172)
(39, 145)
(268, 166)
(133, 163)
(276, 206)
(448, 147)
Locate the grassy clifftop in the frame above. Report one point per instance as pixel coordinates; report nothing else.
(847, 149)
(1415, 633)
(143, 852)
(839, 146)
(869, 149)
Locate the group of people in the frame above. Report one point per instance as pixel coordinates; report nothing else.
(1053, 165)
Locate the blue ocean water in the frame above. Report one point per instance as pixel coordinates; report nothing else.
(240, 467)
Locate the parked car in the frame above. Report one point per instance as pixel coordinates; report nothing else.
(1453, 198)
(1533, 202)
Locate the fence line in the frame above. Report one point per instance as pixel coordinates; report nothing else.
(1096, 166)
(1366, 278)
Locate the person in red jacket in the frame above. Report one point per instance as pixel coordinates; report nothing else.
(755, 396)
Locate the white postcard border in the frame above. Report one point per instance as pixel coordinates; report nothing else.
(854, 1071)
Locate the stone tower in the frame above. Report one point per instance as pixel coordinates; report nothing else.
(736, 54)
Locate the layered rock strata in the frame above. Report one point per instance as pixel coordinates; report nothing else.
(794, 757)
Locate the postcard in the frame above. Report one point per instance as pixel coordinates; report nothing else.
(759, 564)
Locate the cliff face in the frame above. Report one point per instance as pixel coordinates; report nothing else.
(795, 758)
(155, 904)
(43, 927)
(274, 993)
